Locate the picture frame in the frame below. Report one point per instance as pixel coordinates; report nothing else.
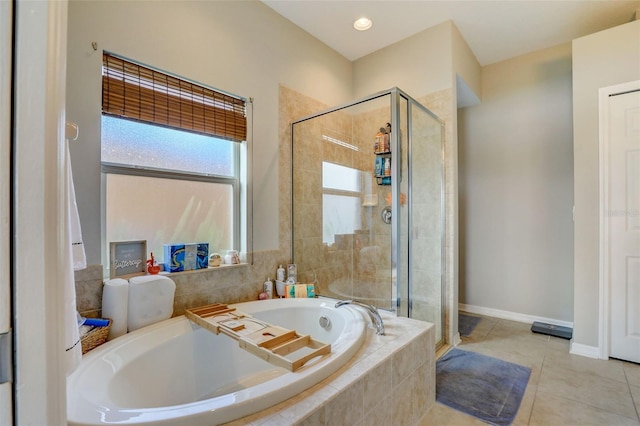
(127, 258)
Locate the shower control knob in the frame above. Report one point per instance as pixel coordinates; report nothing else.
(386, 215)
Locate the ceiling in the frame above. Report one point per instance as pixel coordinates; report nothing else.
(494, 30)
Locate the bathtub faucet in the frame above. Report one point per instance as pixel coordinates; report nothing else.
(371, 310)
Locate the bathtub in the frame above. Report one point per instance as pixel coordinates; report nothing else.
(175, 372)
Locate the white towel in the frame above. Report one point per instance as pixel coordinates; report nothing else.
(77, 246)
(76, 260)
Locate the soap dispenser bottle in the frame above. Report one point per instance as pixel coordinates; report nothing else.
(268, 288)
(280, 273)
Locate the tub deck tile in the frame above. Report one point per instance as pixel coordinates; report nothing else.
(363, 389)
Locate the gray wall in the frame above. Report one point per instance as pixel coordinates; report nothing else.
(599, 60)
(516, 188)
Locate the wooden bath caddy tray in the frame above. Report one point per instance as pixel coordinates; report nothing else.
(262, 339)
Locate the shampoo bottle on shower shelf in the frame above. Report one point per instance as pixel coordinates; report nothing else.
(280, 273)
(268, 288)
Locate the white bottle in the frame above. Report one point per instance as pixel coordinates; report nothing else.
(280, 273)
(268, 288)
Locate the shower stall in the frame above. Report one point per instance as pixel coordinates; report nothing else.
(368, 205)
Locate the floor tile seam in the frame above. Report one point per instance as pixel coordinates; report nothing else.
(461, 412)
(586, 374)
(533, 403)
(545, 361)
(564, 396)
(546, 352)
(631, 393)
(493, 325)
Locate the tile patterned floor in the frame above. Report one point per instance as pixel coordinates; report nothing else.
(563, 389)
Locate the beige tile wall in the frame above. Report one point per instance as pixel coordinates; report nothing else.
(390, 381)
(195, 288)
(426, 239)
(357, 265)
(442, 104)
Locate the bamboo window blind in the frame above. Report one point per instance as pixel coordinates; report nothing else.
(132, 91)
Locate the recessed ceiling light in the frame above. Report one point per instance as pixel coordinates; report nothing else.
(362, 24)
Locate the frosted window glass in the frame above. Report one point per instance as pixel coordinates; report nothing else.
(132, 143)
(339, 177)
(164, 211)
(340, 215)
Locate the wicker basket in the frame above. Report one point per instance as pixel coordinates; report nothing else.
(95, 337)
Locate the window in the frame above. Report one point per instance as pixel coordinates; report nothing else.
(170, 154)
(341, 201)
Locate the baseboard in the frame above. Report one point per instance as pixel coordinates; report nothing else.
(512, 316)
(584, 350)
(576, 348)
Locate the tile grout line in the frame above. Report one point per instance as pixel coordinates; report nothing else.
(599, 408)
(624, 370)
(535, 395)
(547, 363)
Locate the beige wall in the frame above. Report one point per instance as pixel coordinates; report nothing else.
(418, 65)
(599, 60)
(465, 63)
(258, 58)
(516, 188)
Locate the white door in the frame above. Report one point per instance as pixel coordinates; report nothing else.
(6, 31)
(622, 220)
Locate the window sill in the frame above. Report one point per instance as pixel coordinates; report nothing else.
(173, 274)
(210, 268)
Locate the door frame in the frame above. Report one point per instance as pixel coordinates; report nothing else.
(6, 81)
(604, 324)
(39, 229)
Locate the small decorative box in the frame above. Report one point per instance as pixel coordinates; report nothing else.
(174, 257)
(202, 261)
(190, 256)
(186, 257)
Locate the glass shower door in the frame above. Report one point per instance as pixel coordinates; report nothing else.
(367, 216)
(340, 241)
(426, 218)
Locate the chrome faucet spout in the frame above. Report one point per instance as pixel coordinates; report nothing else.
(376, 319)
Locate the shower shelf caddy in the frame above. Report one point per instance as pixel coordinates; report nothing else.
(381, 178)
(264, 340)
(382, 150)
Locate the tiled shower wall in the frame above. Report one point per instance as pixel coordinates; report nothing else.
(314, 259)
(355, 265)
(442, 103)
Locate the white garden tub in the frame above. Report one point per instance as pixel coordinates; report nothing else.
(175, 372)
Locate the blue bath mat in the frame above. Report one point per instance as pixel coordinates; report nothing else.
(481, 386)
(466, 324)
